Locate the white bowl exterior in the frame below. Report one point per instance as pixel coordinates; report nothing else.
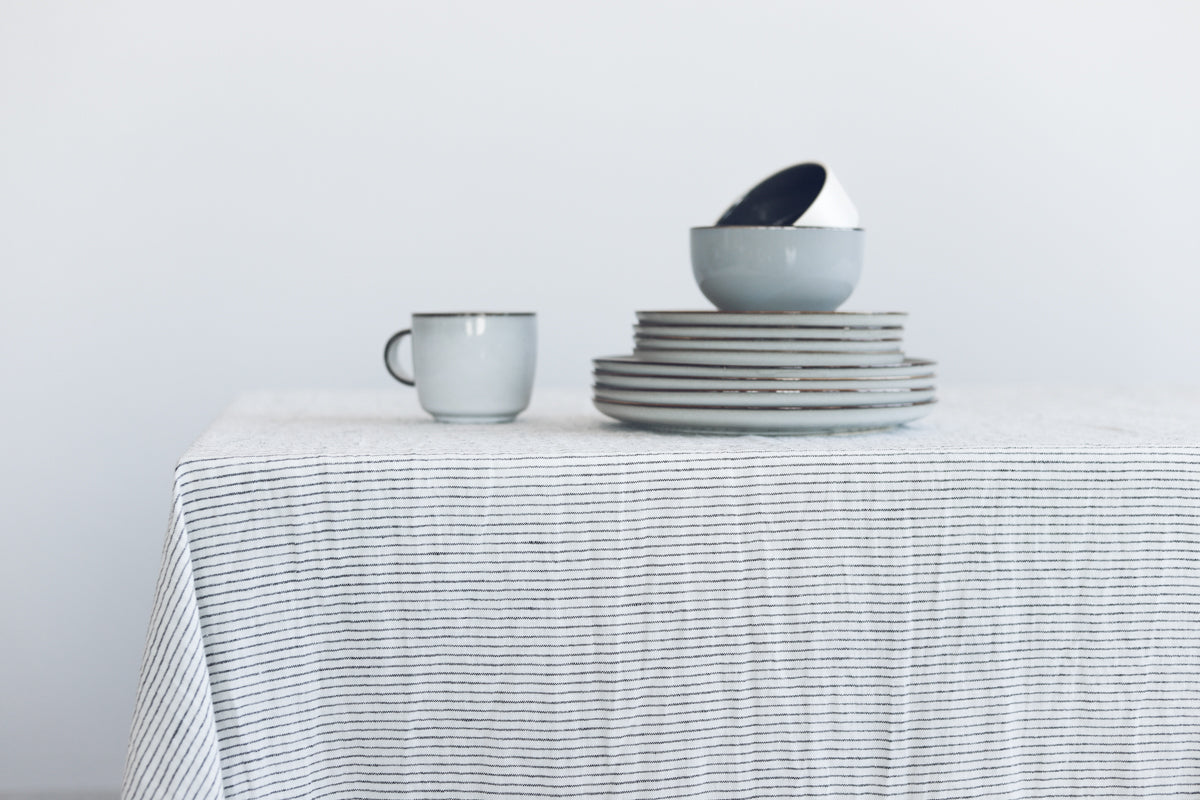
(833, 208)
(776, 269)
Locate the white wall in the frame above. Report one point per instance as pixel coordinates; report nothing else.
(203, 199)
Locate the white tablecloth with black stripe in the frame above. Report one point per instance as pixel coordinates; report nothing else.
(1000, 601)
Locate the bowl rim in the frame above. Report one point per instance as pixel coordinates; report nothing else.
(474, 313)
(773, 228)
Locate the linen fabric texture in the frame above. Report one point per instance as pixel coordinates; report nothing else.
(356, 602)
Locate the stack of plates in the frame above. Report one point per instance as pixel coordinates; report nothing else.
(765, 372)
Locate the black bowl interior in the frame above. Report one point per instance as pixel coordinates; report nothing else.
(780, 199)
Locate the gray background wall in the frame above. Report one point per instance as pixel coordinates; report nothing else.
(206, 198)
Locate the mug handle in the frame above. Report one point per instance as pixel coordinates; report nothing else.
(389, 358)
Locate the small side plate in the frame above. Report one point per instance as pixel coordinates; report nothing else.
(829, 319)
(784, 358)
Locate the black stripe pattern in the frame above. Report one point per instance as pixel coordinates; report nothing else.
(654, 623)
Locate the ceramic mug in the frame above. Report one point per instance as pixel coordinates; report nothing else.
(473, 366)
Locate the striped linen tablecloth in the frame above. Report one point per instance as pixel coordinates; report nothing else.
(999, 601)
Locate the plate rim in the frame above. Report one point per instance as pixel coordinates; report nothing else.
(599, 371)
(775, 319)
(644, 336)
(699, 357)
(906, 362)
(788, 313)
(759, 331)
(748, 409)
(748, 421)
(764, 391)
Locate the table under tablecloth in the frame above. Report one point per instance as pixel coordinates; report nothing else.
(1000, 600)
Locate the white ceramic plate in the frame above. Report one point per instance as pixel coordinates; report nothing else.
(750, 358)
(632, 365)
(767, 332)
(769, 345)
(764, 420)
(750, 398)
(618, 380)
(830, 319)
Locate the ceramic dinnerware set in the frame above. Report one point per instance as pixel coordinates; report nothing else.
(765, 372)
(775, 356)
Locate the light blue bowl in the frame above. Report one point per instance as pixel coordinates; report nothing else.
(745, 268)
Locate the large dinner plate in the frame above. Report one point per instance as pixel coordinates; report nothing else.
(752, 358)
(750, 398)
(766, 332)
(763, 420)
(620, 380)
(767, 345)
(829, 319)
(633, 365)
